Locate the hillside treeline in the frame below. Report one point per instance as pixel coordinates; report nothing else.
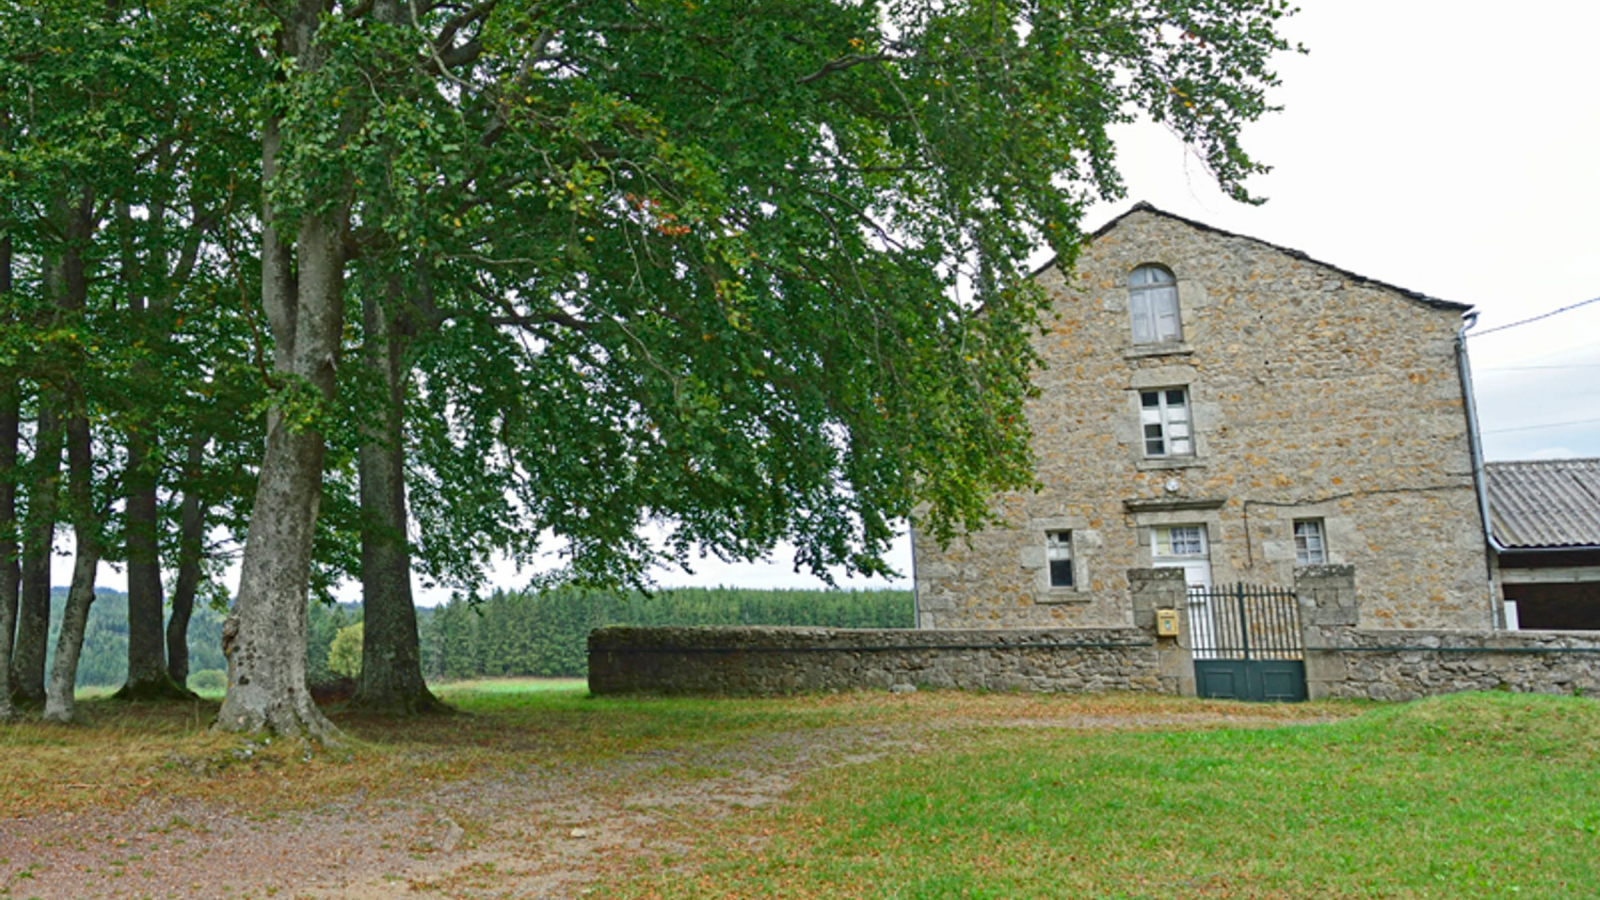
(104, 662)
(546, 634)
(510, 633)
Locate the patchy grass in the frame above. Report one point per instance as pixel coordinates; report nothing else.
(1002, 795)
(1489, 795)
(119, 751)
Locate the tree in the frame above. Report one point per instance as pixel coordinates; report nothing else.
(716, 267)
(344, 655)
(120, 161)
(10, 436)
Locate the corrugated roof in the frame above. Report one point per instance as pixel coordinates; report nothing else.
(1545, 503)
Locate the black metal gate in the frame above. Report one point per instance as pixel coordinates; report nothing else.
(1246, 643)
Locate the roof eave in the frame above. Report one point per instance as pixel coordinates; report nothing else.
(1143, 206)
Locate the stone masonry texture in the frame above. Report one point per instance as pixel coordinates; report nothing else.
(1314, 394)
(1403, 664)
(758, 660)
(1341, 660)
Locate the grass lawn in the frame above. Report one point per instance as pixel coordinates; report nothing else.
(999, 795)
(1465, 796)
(453, 690)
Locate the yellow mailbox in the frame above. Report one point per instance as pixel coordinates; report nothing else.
(1167, 622)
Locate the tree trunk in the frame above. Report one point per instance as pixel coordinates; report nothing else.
(191, 537)
(265, 638)
(85, 530)
(66, 281)
(10, 436)
(147, 665)
(391, 680)
(10, 574)
(38, 538)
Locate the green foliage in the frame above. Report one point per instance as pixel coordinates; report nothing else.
(104, 660)
(324, 621)
(744, 271)
(748, 270)
(546, 633)
(344, 655)
(208, 681)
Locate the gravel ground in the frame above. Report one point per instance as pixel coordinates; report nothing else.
(538, 832)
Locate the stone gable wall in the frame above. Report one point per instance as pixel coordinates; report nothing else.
(1313, 395)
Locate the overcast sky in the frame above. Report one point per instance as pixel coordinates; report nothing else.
(1449, 150)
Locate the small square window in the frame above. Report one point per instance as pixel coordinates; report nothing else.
(1164, 417)
(1309, 547)
(1058, 553)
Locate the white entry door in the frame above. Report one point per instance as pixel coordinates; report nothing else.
(1185, 547)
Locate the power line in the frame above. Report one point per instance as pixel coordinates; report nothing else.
(1545, 425)
(1553, 312)
(1527, 368)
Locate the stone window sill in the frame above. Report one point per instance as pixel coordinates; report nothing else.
(1140, 351)
(1169, 462)
(1062, 596)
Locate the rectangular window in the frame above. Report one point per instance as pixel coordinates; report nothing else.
(1309, 548)
(1164, 418)
(1153, 306)
(1058, 552)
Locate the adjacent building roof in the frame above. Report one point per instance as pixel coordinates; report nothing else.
(1415, 296)
(1544, 503)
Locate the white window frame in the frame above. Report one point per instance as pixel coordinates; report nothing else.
(1058, 548)
(1194, 546)
(1173, 422)
(1153, 311)
(1310, 542)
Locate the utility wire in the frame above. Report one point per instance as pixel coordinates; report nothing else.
(1553, 312)
(1545, 425)
(1527, 368)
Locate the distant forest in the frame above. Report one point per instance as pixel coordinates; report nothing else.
(509, 633)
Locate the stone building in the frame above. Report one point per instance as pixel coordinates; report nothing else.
(1216, 410)
(1236, 409)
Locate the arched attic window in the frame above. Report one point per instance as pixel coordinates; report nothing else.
(1153, 305)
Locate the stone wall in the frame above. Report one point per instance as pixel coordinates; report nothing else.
(1403, 664)
(775, 660)
(1341, 659)
(1314, 393)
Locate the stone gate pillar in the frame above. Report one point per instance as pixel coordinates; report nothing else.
(1156, 589)
(1328, 610)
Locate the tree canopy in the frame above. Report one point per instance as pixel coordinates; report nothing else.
(531, 277)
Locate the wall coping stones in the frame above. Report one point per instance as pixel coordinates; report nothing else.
(805, 639)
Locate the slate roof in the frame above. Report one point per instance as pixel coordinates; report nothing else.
(1544, 503)
(1415, 296)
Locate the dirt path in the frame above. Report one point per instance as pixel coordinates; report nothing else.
(538, 832)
